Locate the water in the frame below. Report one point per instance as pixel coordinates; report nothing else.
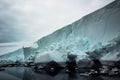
(21, 73)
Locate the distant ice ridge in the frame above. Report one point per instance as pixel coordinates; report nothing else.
(17, 55)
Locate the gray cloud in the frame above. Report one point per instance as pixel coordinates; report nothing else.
(8, 29)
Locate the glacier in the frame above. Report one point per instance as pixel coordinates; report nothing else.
(17, 55)
(85, 37)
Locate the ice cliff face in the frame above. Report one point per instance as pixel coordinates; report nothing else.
(85, 35)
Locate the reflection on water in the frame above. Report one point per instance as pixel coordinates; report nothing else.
(28, 74)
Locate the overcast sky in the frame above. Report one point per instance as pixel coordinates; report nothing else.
(29, 20)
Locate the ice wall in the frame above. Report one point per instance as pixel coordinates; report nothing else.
(93, 30)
